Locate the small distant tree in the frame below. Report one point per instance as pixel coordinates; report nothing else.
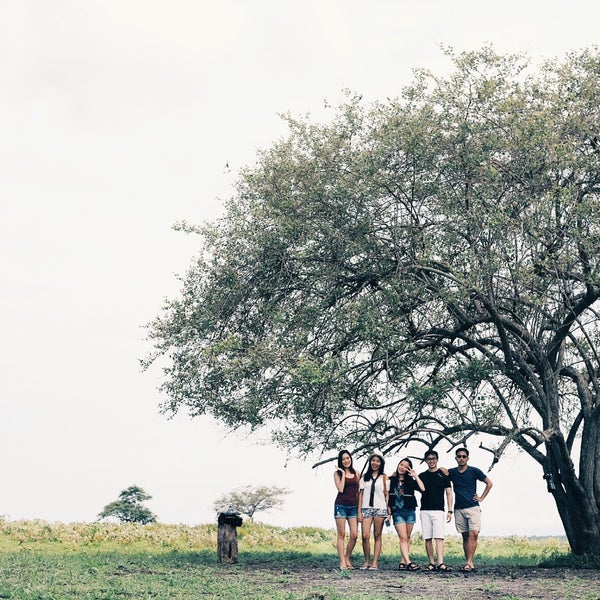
(129, 508)
(250, 499)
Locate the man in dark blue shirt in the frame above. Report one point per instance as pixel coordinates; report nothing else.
(467, 513)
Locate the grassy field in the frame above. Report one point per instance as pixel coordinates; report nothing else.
(54, 561)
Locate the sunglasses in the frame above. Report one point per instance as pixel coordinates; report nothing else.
(461, 456)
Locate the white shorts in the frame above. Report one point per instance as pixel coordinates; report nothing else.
(432, 524)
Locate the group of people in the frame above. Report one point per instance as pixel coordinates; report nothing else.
(372, 498)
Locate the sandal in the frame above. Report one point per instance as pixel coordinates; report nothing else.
(444, 568)
(411, 566)
(402, 567)
(430, 567)
(467, 569)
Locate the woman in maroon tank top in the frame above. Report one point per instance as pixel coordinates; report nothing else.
(346, 507)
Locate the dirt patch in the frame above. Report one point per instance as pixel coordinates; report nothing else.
(488, 583)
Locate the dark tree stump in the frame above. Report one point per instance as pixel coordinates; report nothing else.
(227, 545)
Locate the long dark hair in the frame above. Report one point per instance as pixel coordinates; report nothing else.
(369, 472)
(396, 476)
(403, 460)
(340, 456)
(407, 484)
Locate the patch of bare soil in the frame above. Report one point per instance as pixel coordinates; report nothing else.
(486, 583)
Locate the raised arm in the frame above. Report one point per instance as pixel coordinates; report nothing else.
(417, 479)
(339, 478)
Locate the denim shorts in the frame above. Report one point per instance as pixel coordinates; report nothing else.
(405, 515)
(345, 511)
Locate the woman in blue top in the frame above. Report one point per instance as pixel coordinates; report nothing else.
(403, 485)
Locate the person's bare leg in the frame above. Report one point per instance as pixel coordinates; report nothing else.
(409, 528)
(341, 535)
(366, 540)
(403, 542)
(439, 547)
(353, 524)
(470, 539)
(377, 531)
(465, 544)
(429, 550)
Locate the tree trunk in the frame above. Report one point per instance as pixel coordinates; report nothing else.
(576, 498)
(227, 544)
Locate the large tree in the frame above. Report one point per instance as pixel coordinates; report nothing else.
(251, 499)
(426, 268)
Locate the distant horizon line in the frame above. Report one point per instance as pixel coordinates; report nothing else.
(8, 519)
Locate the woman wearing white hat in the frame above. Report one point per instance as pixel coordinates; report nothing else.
(373, 491)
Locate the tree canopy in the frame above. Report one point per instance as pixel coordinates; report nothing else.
(420, 269)
(250, 499)
(129, 508)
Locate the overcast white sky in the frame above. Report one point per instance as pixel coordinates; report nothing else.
(117, 120)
